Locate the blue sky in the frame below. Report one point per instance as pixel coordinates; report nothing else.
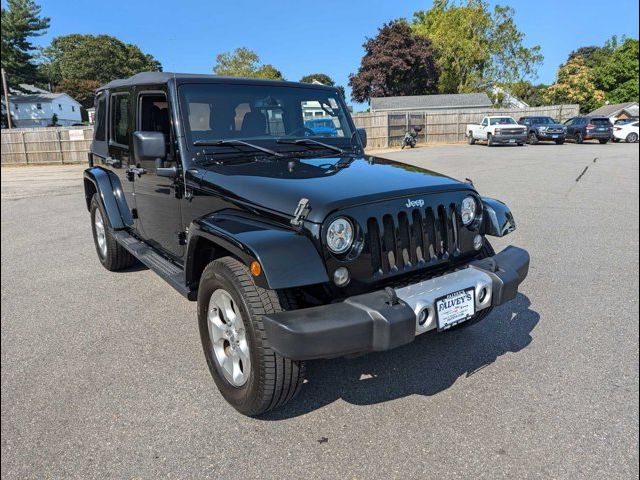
(300, 37)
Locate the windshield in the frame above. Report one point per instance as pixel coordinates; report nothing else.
(542, 120)
(502, 121)
(255, 113)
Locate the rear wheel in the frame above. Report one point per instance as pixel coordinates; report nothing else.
(470, 139)
(249, 374)
(111, 254)
(603, 141)
(632, 138)
(485, 252)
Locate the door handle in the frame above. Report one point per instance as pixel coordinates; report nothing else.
(113, 162)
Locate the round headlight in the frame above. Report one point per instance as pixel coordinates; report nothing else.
(340, 235)
(468, 211)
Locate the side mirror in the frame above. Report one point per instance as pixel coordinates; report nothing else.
(149, 146)
(362, 133)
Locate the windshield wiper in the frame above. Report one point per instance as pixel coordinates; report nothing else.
(236, 143)
(310, 142)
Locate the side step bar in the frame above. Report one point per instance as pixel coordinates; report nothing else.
(169, 271)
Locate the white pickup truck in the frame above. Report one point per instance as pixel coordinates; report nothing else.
(497, 130)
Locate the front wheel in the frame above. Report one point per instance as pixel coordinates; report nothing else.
(579, 138)
(632, 138)
(489, 140)
(249, 374)
(533, 138)
(559, 142)
(603, 141)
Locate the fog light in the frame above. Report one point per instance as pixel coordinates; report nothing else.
(423, 316)
(477, 242)
(341, 276)
(482, 295)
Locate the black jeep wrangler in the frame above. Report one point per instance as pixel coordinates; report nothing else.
(295, 243)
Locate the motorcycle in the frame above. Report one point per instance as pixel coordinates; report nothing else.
(410, 138)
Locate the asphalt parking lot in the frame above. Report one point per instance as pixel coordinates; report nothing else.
(103, 374)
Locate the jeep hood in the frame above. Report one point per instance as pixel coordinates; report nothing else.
(278, 185)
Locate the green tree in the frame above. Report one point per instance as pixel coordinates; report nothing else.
(100, 58)
(243, 62)
(21, 20)
(81, 90)
(475, 47)
(576, 84)
(534, 95)
(54, 120)
(618, 74)
(324, 79)
(396, 62)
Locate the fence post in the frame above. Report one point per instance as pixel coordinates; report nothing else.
(24, 148)
(60, 147)
(424, 114)
(457, 126)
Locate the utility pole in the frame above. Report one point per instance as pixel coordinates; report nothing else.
(6, 99)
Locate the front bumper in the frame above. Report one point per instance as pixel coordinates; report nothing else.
(551, 136)
(509, 138)
(372, 322)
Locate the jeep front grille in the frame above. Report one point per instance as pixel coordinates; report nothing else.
(411, 238)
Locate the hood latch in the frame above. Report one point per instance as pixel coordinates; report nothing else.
(302, 210)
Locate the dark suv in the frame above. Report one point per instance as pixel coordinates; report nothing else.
(543, 129)
(295, 243)
(588, 128)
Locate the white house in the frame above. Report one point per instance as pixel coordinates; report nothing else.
(37, 110)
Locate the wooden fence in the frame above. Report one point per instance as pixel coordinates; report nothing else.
(33, 146)
(386, 129)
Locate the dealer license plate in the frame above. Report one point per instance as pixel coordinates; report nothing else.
(455, 308)
(554, 136)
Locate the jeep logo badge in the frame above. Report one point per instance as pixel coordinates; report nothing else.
(415, 203)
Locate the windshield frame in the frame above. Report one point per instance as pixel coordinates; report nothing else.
(345, 142)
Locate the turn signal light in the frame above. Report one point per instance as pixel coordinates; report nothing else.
(255, 268)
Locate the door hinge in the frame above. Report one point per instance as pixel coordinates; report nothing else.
(134, 213)
(302, 210)
(182, 238)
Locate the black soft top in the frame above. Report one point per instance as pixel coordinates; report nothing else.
(155, 78)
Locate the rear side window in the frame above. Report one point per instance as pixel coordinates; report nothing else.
(120, 118)
(99, 130)
(600, 121)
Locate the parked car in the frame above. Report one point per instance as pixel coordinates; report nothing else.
(323, 127)
(627, 132)
(588, 128)
(497, 130)
(543, 129)
(623, 121)
(295, 246)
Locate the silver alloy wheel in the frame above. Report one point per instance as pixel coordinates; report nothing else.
(228, 338)
(101, 235)
(632, 138)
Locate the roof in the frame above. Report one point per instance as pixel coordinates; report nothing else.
(155, 78)
(36, 97)
(427, 102)
(613, 109)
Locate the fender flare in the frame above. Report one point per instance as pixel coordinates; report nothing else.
(498, 219)
(288, 259)
(108, 186)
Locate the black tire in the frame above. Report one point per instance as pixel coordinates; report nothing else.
(486, 251)
(471, 140)
(559, 142)
(273, 380)
(116, 256)
(603, 141)
(489, 140)
(533, 138)
(579, 138)
(632, 138)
